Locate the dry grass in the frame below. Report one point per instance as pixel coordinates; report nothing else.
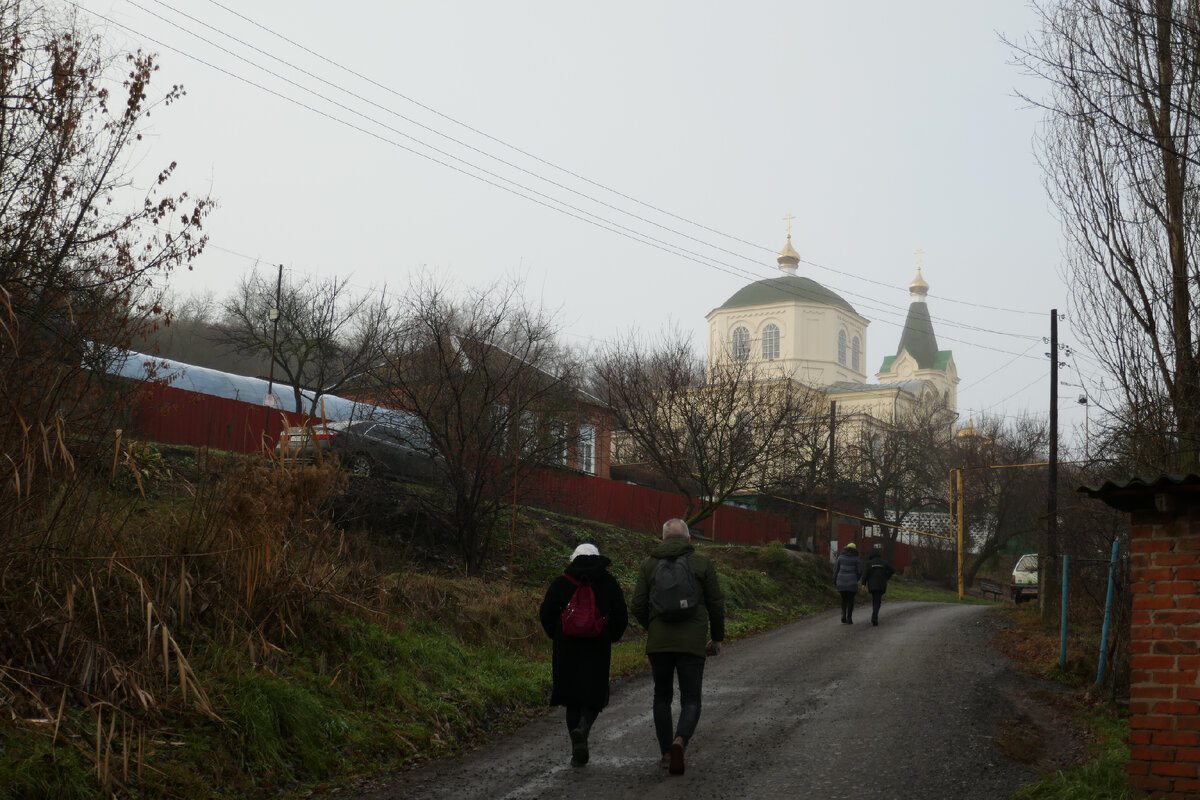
(477, 610)
(106, 600)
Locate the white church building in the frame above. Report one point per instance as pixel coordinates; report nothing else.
(801, 330)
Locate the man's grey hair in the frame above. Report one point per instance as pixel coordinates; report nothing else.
(676, 529)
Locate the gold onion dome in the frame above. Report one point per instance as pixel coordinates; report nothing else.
(918, 285)
(788, 258)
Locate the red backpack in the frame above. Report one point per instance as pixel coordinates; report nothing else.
(581, 618)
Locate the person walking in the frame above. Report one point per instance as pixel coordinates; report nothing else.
(847, 571)
(580, 663)
(678, 615)
(875, 578)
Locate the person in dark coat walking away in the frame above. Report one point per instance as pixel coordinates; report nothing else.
(580, 665)
(677, 646)
(847, 571)
(875, 578)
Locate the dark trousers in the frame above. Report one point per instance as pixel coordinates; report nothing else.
(876, 601)
(581, 718)
(848, 606)
(664, 667)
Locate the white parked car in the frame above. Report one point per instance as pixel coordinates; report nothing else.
(1025, 578)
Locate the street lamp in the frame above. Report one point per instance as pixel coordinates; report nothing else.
(1083, 401)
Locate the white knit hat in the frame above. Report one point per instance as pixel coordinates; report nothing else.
(585, 549)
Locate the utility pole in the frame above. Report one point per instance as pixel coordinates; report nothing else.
(957, 493)
(831, 474)
(273, 315)
(1049, 553)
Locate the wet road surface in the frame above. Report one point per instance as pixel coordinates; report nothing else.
(816, 709)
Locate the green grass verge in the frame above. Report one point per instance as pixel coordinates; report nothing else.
(900, 589)
(1102, 777)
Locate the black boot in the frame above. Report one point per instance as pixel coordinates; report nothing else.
(579, 747)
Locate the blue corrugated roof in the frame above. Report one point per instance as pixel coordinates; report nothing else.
(202, 380)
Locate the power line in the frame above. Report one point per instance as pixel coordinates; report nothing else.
(412, 121)
(484, 134)
(546, 200)
(705, 260)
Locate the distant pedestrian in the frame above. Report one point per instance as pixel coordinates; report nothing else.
(875, 578)
(678, 613)
(847, 571)
(581, 662)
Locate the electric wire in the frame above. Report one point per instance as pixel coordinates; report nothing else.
(599, 222)
(412, 121)
(707, 262)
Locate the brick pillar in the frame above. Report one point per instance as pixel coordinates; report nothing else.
(1164, 697)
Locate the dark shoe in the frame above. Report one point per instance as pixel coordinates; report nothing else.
(849, 621)
(579, 748)
(874, 621)
(665, 762)
(675, 756)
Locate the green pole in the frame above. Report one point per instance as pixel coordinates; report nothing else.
(1108, 604)
(1062, 656)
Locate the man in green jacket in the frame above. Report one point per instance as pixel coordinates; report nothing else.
(677, 646)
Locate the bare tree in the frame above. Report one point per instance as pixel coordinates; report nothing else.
(896, 467)
(327, 335)
(711, 431)
(494, 391)
(1119, 153)
(1004, 486)
(78, 278)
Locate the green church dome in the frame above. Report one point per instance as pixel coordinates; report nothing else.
(786, 289)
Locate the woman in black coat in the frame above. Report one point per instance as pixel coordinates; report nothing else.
(580, 665)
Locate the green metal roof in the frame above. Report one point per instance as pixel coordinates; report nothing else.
(786, 289)
(941, 361)
(918, 338)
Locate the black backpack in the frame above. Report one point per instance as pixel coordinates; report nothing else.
(674, 593)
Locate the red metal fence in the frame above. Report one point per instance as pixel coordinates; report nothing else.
(176, 416)
(641, 508)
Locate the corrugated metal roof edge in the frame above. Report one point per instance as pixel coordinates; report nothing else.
(1161, 482)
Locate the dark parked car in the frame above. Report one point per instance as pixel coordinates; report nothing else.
(366, 447)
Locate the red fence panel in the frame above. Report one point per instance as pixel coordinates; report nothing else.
(642, 508)
(176, 416)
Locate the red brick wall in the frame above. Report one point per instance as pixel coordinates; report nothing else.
(1164, 701)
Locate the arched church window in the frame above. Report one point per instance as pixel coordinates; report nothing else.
(770, 342)
(741, 344)
(855, 353)
(842, 348)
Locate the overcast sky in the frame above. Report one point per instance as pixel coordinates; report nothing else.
(653, 150)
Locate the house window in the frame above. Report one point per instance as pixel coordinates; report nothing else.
(586, 451)
(855, 352)
(558, 448)
(741, 344)
(770, 342)
(842, 348)
(528, 433)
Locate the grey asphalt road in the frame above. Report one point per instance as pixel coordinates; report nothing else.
(816, 709)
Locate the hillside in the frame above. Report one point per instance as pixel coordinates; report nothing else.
(228, 628)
